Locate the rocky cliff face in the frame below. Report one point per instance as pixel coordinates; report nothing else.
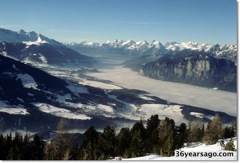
(197, 69)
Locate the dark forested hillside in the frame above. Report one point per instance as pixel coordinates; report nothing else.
(160, 136)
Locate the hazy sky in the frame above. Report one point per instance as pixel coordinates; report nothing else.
(203, 21)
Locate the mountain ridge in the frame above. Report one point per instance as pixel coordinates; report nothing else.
(32, 47)
(22, 36)
(226, 51)
(198, 69)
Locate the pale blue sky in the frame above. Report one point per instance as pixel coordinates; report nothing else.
(203, 21)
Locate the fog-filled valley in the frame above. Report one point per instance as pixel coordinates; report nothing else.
(110, 68)
(91, 84)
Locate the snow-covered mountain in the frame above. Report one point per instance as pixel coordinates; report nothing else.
(33, 100)
(126, 47)
(131, 47)
(30, 97)
(25, 37)
(139, 53)
(34, 48)
(219, 51)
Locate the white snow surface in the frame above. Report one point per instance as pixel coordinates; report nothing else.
(60, 112)
(77, 89)
(27, 81)
(18, 110)
(15, 111)
(37, 42)
(170, 111)
(98, 84)
(200, 150)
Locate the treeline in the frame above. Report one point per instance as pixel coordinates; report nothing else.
(159, 136)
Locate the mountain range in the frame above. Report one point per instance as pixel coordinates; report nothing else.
(42, 80)
(156, 48)
(212, 66)
(31, 47)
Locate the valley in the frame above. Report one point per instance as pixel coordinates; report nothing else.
(210, 98)
(43, 80)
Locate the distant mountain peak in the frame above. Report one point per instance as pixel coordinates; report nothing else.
(142, 42)
(22, 32)
(23, 37)
(156, 43)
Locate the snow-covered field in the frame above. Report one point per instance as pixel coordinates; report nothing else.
(197, 151)
(17, 110)
(60, 112)
(216, 100)
(27, 81)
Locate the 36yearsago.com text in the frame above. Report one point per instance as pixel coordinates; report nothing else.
(185, 154)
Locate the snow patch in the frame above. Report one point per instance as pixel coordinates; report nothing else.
(37, 42)
(97, 84)
(105, 108)
(171, 111)
(76, 89)
(60, 112)
(27, 81)
(145, 97)
(198, 115)
(12, 110)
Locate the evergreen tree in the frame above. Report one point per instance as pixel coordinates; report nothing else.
(138, 144)
(106, 143)
(166, 137)
(38, 146)
(123, 142)
(214, 130)
(181, 135)
(152, 134)
(195, 131)
(234, 128)
(88, 147)
(228, 132)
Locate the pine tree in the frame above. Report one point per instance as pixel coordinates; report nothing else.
(38, 146)
(106, 143)
(234, 128)
(138, 144)
(123, 139)
(195, 131)
(180, 136)
(88, 147)
(166, 137)
(152, 133)
(168, 146)
(214, 130)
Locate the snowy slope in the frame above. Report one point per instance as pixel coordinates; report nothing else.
(24, 37)
(35, 49)
(200, 150)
